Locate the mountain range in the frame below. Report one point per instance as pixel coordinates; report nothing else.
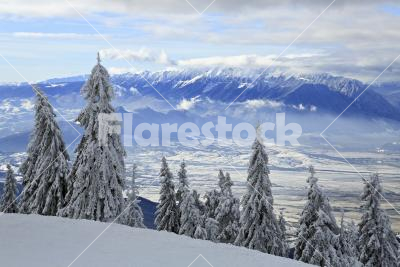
(305, 92)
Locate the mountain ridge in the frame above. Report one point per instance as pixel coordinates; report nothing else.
(323, 91)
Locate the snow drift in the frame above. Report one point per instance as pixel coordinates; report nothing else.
(32, 240)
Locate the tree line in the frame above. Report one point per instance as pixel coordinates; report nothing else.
(93, 189)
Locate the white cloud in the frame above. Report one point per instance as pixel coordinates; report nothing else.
(350, 43)
(243, 60)
(51, 8)
(254, 61)
(262, 103)
(27, 104)
(141, 55)
(187, 104)
(71, 36)
(120, 70)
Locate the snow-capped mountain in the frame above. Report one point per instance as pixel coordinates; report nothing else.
(322, 92)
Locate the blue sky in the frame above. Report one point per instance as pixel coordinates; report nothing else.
(49, 39)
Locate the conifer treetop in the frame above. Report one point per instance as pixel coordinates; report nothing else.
(98, 58)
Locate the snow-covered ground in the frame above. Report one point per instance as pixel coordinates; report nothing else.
(32, 240)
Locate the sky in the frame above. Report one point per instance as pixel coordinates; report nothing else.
(46, 38)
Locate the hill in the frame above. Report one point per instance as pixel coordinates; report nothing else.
(32, 240)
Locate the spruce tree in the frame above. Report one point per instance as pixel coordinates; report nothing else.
(167, 215)
(377, 241)
(318, 239)
(211, 203)
(348, 239)
(98, 173)
(200, 233)
(183, 183)
(227, 212)
(191, 218)
(282, 225)
(259, 228)
(8, 202)
(46, 168)
(224, 183)
(212, 229)
(134, 214)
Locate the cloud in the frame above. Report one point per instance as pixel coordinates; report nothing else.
(141, 55)
(263, 103)
(357, 38)
(120, 70)
(71, 36)
(51, 8)
(27, 104)
(240, 60)
(343, 63)
(187, 104)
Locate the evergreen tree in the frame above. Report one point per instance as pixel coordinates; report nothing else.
(212, 229)
(46, 168)
(191, 217)
(227, 212)
(211, 203)
(98, 173)
(224, 183)
(183, 183)
(348, 239)
(134, 216)
(167, 215)
(200, 232)
(259, 228)
(282, 226)
(377, 242)
(318, 240)
(8, 202)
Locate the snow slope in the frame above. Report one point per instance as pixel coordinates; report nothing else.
(32, 240)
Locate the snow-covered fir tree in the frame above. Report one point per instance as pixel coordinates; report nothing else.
(8, 202)
(348, 239)
(377, 242)
(211, 203)
(318, 239)
(282, 225)
(167, 214)
(227, 212)
(191, 217)
(97, 177)
(200, 233)
(183, 183)
(224, 183)
(212, 229)
(46, 168)
(259, 228)
(134, 213)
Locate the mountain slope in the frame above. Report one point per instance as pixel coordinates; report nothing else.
(53, 241)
